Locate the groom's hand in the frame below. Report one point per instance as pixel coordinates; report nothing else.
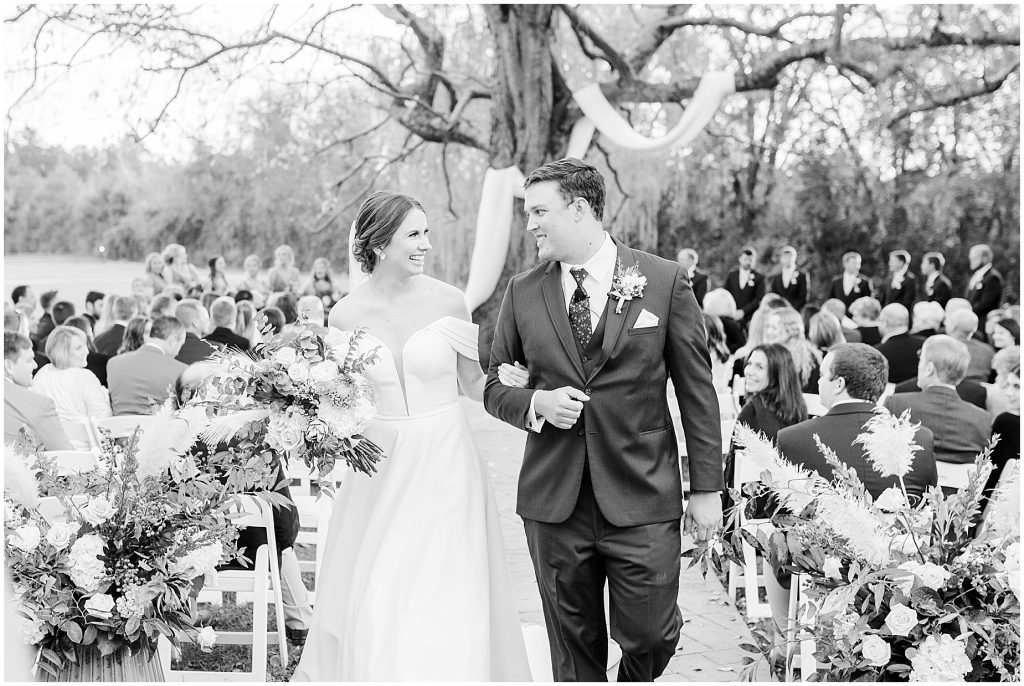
(562, 406)
(703, 515)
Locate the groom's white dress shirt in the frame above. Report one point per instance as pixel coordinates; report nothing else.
(788, 277)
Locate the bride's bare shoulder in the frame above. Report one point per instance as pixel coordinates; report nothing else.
(350, 310)
(448, 299)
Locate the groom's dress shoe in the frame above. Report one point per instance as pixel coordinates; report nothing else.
(296, 636)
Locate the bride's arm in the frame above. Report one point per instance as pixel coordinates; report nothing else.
(471, 378)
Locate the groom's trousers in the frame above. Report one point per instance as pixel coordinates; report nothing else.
(573, 559)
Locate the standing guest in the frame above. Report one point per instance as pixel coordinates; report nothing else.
(95, 362)
(75, 391)
(786, 327)
(962, 325)
(900, 348)
(253, 282)
(196, 321)
(245, 322)
(154, 274)
(24, 299)
(284, 275)
(865, 313)
(687, 259)
(901, 288)
(791, 283)
(1005, 333)
(927, 319)
(179, 270)
(851, 284)
(825, 332)
(321, 283)
(274, 319)
(217, 282)
(311, 309)
(93, 306)
(837, 308)
(24, 408)
(162, 306)
(124, 308)
(140, 381)
(224, 312)
(45, 325)
(961, 430)
(135, 333)
(937, 287)
(720, 303)
(746, 284)
(985, 288)
(721, 372)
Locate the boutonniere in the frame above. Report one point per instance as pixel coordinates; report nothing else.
(628, 283)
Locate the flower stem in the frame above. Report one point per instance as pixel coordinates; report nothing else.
(910, 528)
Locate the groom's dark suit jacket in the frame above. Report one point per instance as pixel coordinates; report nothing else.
(625, 434)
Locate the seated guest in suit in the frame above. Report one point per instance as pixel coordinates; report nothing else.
(124, 308)
(162, 306)
(937, 288)
(224, 312)
(851, 284)
(865, 313)
(901, 287)
(196, 319)
(135, 332)
(961, 325)
(791, 283)
(825, 332)
(786, 327)
(24, 408)
(720, 303)
(746, 285)
(898, 346)
(75, 390)
(93, 306)
(46, 323)
(971, 391)
(687, 259)
(1005, 333)
(58, 313)
(927, 319)
(140, 381)
(95, 362)
(837, 309)
(985, 288)
(961, 430)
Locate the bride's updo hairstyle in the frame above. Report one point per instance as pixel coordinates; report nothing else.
(379, 217)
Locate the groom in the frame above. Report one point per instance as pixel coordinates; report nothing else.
(599, 490)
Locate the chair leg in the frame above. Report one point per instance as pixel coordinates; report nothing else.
(259, 616)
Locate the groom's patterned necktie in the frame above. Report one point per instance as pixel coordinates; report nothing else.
(579, 308)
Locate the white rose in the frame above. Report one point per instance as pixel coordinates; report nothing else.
(26, 537)
(286, 356)
(890, 500)
(59, 536)
(875, 650)
(298, 372)
(337, 338)
(831, 568)
(901, 620)
(206, 638)
(97, 511)
(323, 372)
(100, 605)
(931, 575)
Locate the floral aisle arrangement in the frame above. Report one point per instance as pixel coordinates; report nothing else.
(897, 590)
(302, 394)
(110, 562)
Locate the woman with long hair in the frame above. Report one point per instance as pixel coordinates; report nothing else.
(786, 327)
(218, 282)
(720, 370)
(154, 274)
(245, 322)
(95, 362)
(321, 283)
(75, 391)
(825, 331)
(720, 303)
(284, 275)
(134, 334)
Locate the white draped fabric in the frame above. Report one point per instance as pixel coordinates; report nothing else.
(493, 231)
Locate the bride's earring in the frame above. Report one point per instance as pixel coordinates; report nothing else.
(381, 255)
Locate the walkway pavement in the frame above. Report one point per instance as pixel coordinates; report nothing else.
(713, 630)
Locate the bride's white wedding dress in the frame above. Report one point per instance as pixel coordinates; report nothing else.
(414, 584)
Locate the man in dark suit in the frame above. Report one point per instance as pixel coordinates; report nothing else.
(927, 318)
(961, 430)
(24, 408)
(141, 380)
(962, 325)
(600, 490)
(107, 343)
(985, 289)
(688, 258)
(851, 284)
(224, 313)
(746, 284)
(899, 347)
(853, 377)
(791, 283)
(937, 288)
(971, 391)
(191, 313)
(901, 286)
(837, 309)
(46, 324)
(93, 306)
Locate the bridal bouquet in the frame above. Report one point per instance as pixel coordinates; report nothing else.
(110, 560)
(301, 394)
(894, 590)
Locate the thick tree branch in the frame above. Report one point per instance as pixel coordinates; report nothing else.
(608, 52)
(985, 87)
(774, 31)
(652, 37)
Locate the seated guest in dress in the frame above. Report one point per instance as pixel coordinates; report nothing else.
(865, 313)
(224, 312)
(1007, 426)
(24, 408)
(135, 332)
(837, 309)
(927, 319)
(321, 283)
(1005, 333)
(95, 362)
(124, 308)
(786, 326)
(962, 325)
(140, 381)
(245, 322)
(196, 319)
(75, 391)
(825, 331)
(720, 303)
(937, 288)
(899, 347)
(1003, 363)
(721, 372)
(961, 430)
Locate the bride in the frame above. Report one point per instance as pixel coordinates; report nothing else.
(414, 585)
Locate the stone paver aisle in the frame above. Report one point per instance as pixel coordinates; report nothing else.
(713, 630)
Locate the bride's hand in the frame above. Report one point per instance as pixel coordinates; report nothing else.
(515, 376)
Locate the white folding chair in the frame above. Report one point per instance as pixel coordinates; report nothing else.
(73, 461)
(123, 426)
(80, 433)
(53, 511)
(953, 475)
(314, 516)
(799, 639)
(750, 576)
(814, 406)
(263, 575)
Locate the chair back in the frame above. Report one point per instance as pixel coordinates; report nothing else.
(73, 461)
(953, 475)
(80, 434)
(53, 511)
(123, 426)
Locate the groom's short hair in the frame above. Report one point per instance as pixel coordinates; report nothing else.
(576, 179)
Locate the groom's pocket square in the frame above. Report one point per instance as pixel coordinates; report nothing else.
(646, 320)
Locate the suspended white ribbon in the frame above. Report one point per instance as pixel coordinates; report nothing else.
(493, 232)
